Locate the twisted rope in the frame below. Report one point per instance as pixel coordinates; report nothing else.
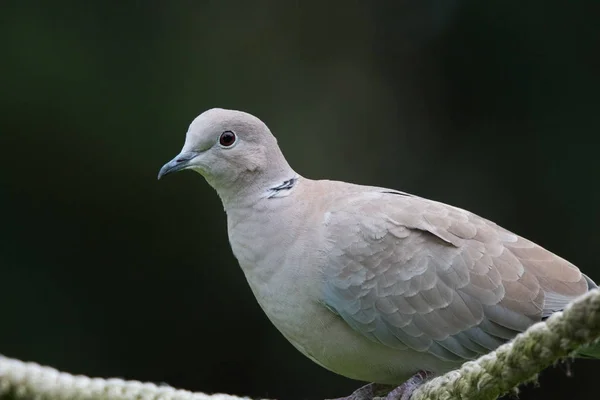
(486, 378)
(31, 381)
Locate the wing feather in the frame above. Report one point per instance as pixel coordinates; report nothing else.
(413, 273)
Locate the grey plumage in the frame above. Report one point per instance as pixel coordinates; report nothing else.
(369, 282)
(419, 274)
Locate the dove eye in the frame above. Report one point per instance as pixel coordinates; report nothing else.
(227, 139)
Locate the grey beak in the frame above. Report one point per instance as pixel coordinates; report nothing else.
(182, 161)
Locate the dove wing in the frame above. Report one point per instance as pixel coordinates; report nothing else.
(409, 272)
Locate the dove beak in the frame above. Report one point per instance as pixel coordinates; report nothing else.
(181, 162)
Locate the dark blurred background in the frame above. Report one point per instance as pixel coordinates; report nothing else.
(491, 106)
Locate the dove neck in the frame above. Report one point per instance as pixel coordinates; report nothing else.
(252, 187)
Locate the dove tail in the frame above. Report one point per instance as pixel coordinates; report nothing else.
(592, 350)
(591, 284)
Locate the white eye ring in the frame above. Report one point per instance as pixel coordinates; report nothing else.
(227, 139)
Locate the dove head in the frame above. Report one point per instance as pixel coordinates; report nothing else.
(235, 152)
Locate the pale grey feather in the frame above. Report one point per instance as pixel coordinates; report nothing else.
(371, 283)
(408, 272)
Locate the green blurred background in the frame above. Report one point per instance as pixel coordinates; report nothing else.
(488, 105)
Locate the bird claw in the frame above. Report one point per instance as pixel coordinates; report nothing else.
(373, 391)
(405, 391)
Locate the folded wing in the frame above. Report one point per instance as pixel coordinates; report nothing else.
(413, 273)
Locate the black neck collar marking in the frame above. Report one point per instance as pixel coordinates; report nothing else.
(396, 192)
(286, 185)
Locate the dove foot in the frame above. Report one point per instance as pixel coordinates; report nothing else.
(404, 391)
(377, 391)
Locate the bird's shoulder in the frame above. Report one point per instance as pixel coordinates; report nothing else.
(377, 209)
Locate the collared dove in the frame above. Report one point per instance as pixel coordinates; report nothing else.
(371, 283)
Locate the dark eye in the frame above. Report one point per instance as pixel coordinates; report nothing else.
(227, 139)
